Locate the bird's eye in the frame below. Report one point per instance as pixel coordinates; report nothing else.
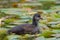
(38, 16)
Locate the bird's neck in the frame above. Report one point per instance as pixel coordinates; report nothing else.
(35, 23)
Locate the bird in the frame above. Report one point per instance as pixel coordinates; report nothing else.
(27, 28)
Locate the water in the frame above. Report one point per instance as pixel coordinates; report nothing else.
(13, 37)
(25, 18)
(56, 31)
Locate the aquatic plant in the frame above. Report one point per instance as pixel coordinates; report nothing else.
(2, 14)
(47, 33)
(7, 21)
(3, 34)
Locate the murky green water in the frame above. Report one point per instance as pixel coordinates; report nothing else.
(23, 19)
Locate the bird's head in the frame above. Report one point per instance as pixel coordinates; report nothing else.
(38, 16)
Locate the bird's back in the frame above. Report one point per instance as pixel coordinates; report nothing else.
(23, 29)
